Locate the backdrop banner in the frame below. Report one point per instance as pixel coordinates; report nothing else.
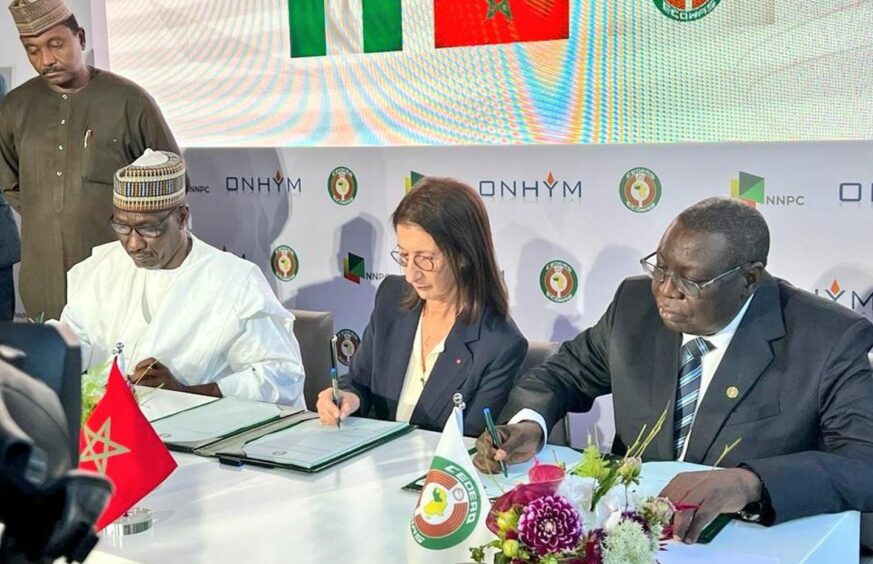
(569, 222)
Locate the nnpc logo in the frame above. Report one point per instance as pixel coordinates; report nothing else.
(686, 10)
(750, 190)
(448, 508)
(354, 268)
(548, 187)
(412, 179)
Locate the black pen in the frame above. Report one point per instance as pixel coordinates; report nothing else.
(334, 381)
(334, 378)
(495, 438)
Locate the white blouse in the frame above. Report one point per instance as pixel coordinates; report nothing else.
(413, 383)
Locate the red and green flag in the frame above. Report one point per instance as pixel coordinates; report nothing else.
(460, 23)
(332, 27)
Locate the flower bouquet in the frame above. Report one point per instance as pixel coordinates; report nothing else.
(93, 387)
(585, 515)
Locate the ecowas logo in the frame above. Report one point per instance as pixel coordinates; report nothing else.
(354, 268)
(749, 189)
(851, 299)
(448, 508)
(640, 189)
(686, 10)
(284, 263)
(342, 185)
(558, 281)
(347, 343)
(549, 187)
(276, 184)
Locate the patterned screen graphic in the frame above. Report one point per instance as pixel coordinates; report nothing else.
(433, 72)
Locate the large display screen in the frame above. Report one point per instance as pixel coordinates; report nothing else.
(411, 72)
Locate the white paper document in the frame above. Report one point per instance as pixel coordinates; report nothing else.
(214, 421)
(157, 403)
(311, 443)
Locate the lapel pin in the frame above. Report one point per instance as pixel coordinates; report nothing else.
(732, 392)
(458, 361)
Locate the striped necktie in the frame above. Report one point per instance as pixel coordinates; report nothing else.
(690, 369)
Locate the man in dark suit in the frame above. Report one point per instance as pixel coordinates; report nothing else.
(776, 367)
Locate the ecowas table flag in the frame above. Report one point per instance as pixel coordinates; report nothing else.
(451, 510)
(118, 442)
(334, 27)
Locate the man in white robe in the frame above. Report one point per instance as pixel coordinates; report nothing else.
(191, 317)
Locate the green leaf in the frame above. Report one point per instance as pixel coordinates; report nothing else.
(592, 465)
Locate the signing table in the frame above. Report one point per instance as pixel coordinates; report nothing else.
(356, 512)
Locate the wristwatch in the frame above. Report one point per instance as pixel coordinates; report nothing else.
(752, 512)
(760, 511)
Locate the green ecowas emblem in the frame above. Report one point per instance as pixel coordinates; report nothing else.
(347, 343)
(686, 10)
(640, 189)
(448, 508)
(342, 185)
(558, 281)
(284, 263)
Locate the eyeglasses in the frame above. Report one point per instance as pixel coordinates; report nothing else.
(688, 287)
(151, 231)
(424, 262)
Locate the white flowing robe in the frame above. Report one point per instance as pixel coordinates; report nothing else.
(212, 319)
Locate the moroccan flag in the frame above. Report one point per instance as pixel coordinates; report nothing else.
(118, 442)
(451, 510)
(333, 27)
(459, 23)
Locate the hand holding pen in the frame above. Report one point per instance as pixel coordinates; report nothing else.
(495, 438)
(333, 404)
(337, 397)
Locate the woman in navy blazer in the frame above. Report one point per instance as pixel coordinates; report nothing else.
(443, 327)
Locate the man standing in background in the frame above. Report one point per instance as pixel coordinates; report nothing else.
(10, 248)
(62, 136)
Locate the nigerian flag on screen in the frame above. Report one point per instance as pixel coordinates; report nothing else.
(335, 27)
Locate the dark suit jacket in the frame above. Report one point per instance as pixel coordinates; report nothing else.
(480, 361)
(804, 410)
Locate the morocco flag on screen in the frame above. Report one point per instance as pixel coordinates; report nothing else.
(118, 442)
(459, 23)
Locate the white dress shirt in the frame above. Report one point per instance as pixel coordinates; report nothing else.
(709, 364)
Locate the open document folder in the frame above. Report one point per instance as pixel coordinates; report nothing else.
(205, 424)
(239, 431)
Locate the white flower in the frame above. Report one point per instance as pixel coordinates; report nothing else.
(627, 543)
(577, 490)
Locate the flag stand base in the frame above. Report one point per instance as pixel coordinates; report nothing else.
(135, 520)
